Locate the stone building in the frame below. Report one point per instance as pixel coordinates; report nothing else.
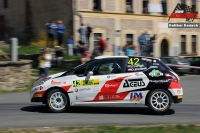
(24, 18)
(123, 20)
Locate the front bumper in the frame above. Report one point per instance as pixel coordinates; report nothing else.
(36, 99)
(177, 99)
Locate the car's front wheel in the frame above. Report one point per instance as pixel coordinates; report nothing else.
(159, 100)
(57, 101)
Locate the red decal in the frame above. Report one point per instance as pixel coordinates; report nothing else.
(66, 88)
(41, 92)
(54, 82)
(174, 85)
(110, 88)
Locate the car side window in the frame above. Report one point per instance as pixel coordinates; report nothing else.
(107, 66)
(80, 71)
(136, 64)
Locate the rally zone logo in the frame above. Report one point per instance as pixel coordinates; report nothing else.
(133, 83)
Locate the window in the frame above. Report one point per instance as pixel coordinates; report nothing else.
(193, 5)
(145, 6)
(106, 66)
(183, 44)
(96, 40)
(136, 64)
(183, 2)
(80, 71)
(164, 7)
(194, 40)
(5, 3)
(129, 39)
(97, 4)
(129, 7)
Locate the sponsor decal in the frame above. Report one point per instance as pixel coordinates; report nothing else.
(79, 98)
(76, 90)
(57, 83)
(145, 59)
(178, 91)
(136, 96)
(155, 73)
(138, 74)
(133, 83)
(133, 61)
(111, 86)
(110, 76)
(101, 97)
(78, 83)
(159, 81)
(183, 11)
(85, 89)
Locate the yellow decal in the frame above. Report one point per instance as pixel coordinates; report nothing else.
(133, 61)
(90, 82)
(37, 95)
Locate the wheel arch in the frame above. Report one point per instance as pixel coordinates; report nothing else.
(52, 88)
(146, 98)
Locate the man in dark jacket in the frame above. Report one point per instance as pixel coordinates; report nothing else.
(89, 31)
(58, 56)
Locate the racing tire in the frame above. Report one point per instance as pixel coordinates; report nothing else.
(57, 101)
(159, 101)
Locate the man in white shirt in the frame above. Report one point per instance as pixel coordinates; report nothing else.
(48, 58)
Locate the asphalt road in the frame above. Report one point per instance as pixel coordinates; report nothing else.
(17, 111)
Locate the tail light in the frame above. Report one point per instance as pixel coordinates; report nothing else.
(172, 77)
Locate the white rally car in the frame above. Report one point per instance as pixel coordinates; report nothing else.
(108, 80)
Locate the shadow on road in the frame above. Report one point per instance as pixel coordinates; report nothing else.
(99, 110)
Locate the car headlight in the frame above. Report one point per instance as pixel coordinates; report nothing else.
(41, 81)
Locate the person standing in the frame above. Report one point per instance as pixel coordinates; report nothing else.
(83, 31)
(142, 43)
(60, 32)
(96, 52)
(41, 65)
(89, 31)
(102, 44)
(59, 54)
(48, 58)
(51, 26)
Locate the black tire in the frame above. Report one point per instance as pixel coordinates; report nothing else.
(165, 107)
(64, 99)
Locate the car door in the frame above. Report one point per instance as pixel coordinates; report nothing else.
(102, 84)
(135, 84)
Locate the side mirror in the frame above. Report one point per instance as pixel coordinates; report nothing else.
(90, 73)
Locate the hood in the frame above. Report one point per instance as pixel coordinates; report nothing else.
(56, 75)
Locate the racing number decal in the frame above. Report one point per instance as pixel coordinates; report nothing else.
(133, 61)
(76, 83)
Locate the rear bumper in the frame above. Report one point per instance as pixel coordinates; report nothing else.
(177, 99)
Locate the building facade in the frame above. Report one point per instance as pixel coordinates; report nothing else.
(123, 21)
(24, 18)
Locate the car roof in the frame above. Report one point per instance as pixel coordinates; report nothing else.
(114, 56)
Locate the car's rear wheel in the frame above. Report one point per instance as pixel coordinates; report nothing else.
(57, 101)
(159, 100)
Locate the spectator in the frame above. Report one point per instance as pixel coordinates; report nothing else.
(81, 47)
(86, 55)
(89, 31)
(96, 52)
(51, 26)
(102, 44)
(60, 31)
(83, 31)
(125, 49)
(41, 66)
(48, 58)
(70, 41)
(135, 51)
(58, 56)
(142, 42)
(120, 51)
(130, 50)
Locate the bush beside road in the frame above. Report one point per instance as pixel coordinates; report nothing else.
(110, 129)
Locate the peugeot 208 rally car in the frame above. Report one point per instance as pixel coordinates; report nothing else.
(109, 80)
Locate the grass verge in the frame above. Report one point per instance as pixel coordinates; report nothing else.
(111, 129)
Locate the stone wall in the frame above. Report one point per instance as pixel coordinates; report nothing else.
(14, 75)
